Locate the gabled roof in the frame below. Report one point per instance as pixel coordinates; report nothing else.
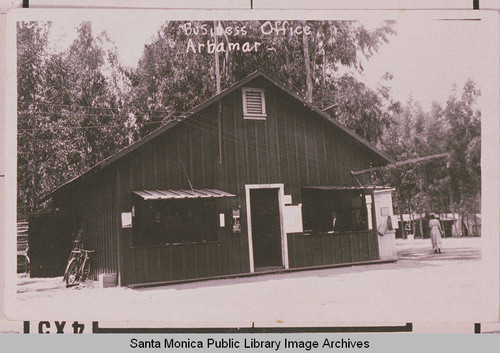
(113, 158)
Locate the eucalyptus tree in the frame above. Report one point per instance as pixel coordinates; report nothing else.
(71, 108)
(32, 40)
(177, 68)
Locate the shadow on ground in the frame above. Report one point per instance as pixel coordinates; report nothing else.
(323, 273)
(423, 254)
(409, 257)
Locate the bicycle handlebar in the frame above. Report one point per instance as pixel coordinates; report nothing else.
(79, 251)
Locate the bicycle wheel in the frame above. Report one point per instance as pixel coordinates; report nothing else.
(85, 272)
(72, 274)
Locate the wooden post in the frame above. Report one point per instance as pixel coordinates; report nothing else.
(323, 76)
(420, 224)
(307, 64)
(475, 224)
(403, 230)
(412, 219)
(217, 73)
(118, 225)
(217, 82)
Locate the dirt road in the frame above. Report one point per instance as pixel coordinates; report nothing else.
(420, 287)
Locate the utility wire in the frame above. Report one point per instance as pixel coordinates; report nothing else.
(100, 126)
(207, 127)
(309, 157)
(73, 106)
(294, 155)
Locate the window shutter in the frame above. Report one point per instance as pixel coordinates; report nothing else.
(254, 106)
(254, 103)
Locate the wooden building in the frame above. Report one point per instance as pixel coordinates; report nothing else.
(253, 179)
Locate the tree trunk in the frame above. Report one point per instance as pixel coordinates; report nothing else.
(323, 79)
(412, 219)
(216, 54)
(32, 205)
(476, 233)
(227, 62)
(441, 222)
(307, 64)
(420, 223)
(288, 69)
(403, 230)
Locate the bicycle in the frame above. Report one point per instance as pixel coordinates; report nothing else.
(78, 268)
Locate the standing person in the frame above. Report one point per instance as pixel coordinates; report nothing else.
(333, 224)
(436, 232)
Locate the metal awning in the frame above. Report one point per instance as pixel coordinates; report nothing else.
(353, 188)
(181, 194)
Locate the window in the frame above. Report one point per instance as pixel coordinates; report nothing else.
(320, 207)
(159, 222)
(254, 104)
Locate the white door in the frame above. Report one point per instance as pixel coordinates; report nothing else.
(382, 202)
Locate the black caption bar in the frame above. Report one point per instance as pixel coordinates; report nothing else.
(76, 327)
(335, 329)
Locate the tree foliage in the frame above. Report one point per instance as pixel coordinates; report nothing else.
(71, 108)
(440, 185)
(170, 79)
(79, 105)
(32, 42)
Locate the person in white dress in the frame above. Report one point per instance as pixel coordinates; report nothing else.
(436, 232)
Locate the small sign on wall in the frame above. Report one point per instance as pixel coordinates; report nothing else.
(126, 219)
(384, 211)
(287, 199)
(395, 223)
(292, 219)
(222, 220)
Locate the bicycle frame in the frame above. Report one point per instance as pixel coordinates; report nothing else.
(79, 258)
(86, 258)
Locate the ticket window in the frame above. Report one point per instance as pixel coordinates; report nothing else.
(327, 211)
(158, 222)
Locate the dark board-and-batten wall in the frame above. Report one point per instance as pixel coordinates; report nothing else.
(332, 249)
(95, 204)
(293, 146)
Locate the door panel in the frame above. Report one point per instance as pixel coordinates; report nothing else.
(266, 228)
(382, 201)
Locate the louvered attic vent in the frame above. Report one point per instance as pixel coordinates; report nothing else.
(254, 103)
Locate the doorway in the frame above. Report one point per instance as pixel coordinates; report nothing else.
(265, 236)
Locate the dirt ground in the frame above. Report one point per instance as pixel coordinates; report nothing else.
(420, 287)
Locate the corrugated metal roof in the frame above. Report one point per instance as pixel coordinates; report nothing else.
(181, 194)
(332, 187)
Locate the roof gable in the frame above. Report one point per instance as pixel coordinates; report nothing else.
(125, 151)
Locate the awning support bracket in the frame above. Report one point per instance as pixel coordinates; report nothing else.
(187, 177)
(356, 178)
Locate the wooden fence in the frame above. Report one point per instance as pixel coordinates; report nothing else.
(23, 261)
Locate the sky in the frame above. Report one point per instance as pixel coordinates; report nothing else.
(427, 58)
